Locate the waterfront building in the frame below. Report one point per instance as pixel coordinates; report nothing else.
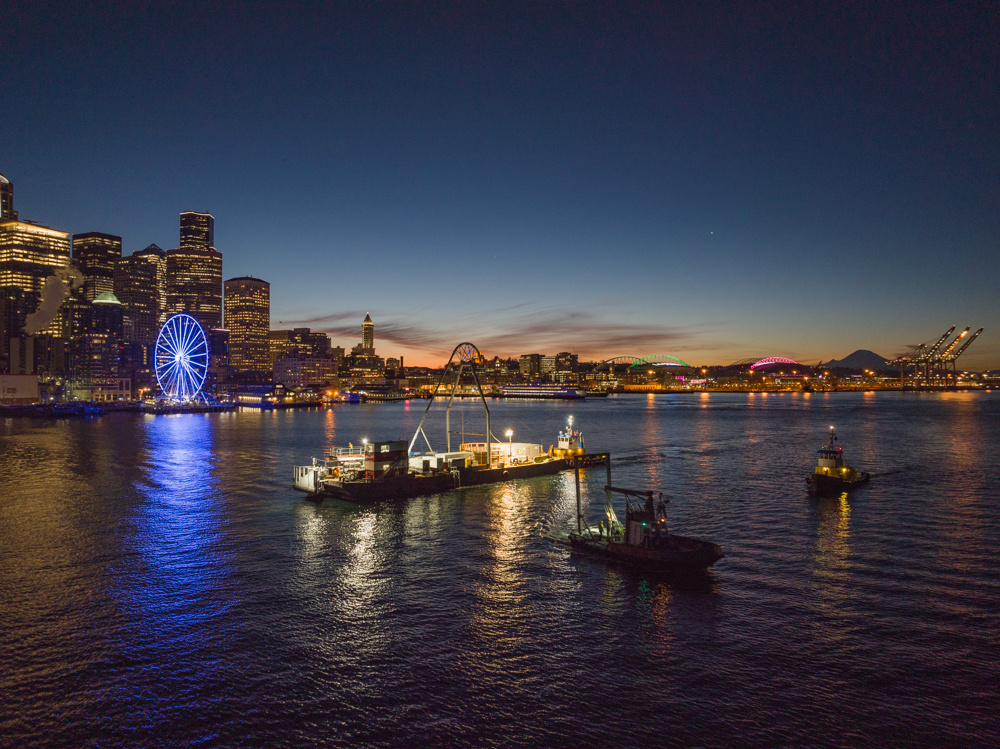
(247, 317)
(301, 341)
(139, 281)
(218, 357)
(530, 365)
(95, 254)
(301, 370)
(97, 349)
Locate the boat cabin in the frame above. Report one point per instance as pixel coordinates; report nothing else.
(386, 459)
(644, 524)
(830, 457)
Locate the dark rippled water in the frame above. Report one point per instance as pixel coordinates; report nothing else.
(163, 586)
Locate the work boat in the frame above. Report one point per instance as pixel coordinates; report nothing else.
(832, 474)
(644, 539)
(570, 447)
(394, 470)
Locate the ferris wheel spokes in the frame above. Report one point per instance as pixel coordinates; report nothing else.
(181, 358)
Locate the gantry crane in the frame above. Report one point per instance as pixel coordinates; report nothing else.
(932, 363)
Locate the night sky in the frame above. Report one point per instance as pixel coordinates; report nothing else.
(711, 181)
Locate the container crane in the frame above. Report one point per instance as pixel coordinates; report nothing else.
(944, 354)
(936, 346)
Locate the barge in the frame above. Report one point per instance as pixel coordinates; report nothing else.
(394, 470)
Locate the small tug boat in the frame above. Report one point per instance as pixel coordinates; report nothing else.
(644, 540)
(832, 474)
(570, 448)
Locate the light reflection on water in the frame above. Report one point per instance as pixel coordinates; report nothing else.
(164, 586)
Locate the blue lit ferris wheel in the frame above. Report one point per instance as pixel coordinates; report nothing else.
(181, 358)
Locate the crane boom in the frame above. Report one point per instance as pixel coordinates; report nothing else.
(944, 354)
(941, 340)
(965, 345)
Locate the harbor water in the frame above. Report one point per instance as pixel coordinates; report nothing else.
(161, 584)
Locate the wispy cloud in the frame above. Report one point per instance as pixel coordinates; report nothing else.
(516, 330)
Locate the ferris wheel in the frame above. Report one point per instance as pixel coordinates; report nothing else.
(181, 358)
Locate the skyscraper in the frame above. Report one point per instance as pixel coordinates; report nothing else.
(95, 254)
(7, 200)
(194, 285)
(368, 335)
(248, 318)
(157, 258)
(194, 272)
(97, 348)
(138, 279)
(197, 231)
(29, 254)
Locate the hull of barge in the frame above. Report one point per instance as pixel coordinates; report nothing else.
(419, 485)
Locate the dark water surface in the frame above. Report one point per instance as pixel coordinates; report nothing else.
(162, 585)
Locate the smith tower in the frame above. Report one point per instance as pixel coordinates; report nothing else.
(368, 335)
(194, 271)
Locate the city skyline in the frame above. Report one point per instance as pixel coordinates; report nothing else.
(709, 184)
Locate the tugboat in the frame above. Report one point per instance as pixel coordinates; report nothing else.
(832, 474)
(570, 448)
(644, 540)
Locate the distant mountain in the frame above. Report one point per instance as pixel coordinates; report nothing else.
(860, 359)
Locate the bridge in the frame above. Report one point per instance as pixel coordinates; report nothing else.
(634, 363)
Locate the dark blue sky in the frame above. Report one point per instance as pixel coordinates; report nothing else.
(710, 181)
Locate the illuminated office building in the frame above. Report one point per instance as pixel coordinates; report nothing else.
(29, 253)
(298, 341)
(197, 230)
(139, 283)
(194, 272)
(7, 200)
(95, 254)
(97, 348)
(248, 318)
(194, 285)
(218, 359)
(158, 258)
